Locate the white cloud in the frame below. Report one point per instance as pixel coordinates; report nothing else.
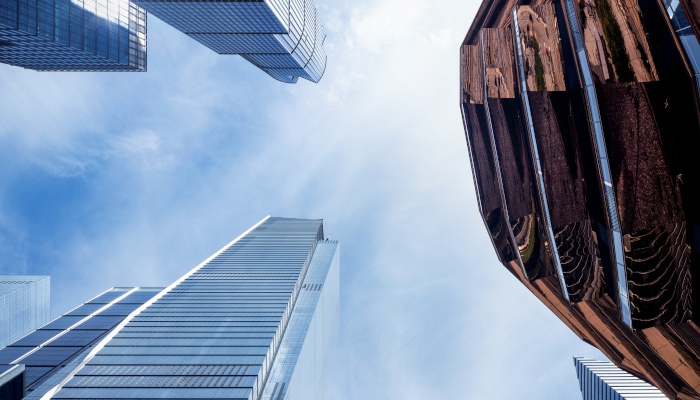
(171, 164)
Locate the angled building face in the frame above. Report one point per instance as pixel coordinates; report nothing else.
(25, 304)
(582, 121)
(73, 35)
(284, 38)
(11, 382)
(45, 353)
(601, 380)
(257, 320)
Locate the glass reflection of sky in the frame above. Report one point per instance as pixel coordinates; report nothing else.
(76, 35)
(109, 10)
(116, 12)
(685, 33)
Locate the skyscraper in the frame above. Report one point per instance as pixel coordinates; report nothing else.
(73, 35)
(25, 304)
(582, 121)
(284, 38)
(256, 320)
(602, 380)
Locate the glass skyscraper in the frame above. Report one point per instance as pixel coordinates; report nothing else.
(25, 305)
(73, 35)
(256, 320)
(284, 38)
(602, 380)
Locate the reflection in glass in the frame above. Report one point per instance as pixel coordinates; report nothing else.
(508, 135)
(489, 192)
(73, 35)
(615, 41)
(540, 43)
(472, 75)
(555, 152)
(498, 63)
(650, 207)
(284, 38)
(612, 244)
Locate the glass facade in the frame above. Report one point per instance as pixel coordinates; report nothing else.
(284, 38)
(24, 305)
(303, 362)
(601, 380)
(11, 382)
(73, 35)
(44, 352)
(258, 319)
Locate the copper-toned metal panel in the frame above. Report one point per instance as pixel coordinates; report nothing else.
(486, 177)
(652, 220)
(615, 41)
(651, 354)
(519, 187)
(499, 62)
(472, 74)
(565, 187)
(540, 40)
(616, 131)
(658, 275)
(576, 243)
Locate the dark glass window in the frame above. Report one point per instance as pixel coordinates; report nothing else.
(86, 309)
(120, 309)
(138, 297)
(33, 374)
(107, 297)
(77, 338)
(50, 356)
(100, 322)
(9, 354)
(63, 322)
(36, 338)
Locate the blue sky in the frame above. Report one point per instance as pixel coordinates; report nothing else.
(132, 179)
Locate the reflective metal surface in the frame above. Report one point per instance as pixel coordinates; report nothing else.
(484, 160)
(540, 83)
(604, 178)
(513, 159)
(586, 162)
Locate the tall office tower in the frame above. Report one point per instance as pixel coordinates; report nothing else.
(25, 304)
(44, 354)
(73, 35)
(284, 38)
(602, 380)
(582, 124)
(256, 320)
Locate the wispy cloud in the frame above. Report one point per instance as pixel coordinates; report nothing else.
(144, 175)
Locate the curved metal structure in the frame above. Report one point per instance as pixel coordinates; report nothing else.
(582, 121)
